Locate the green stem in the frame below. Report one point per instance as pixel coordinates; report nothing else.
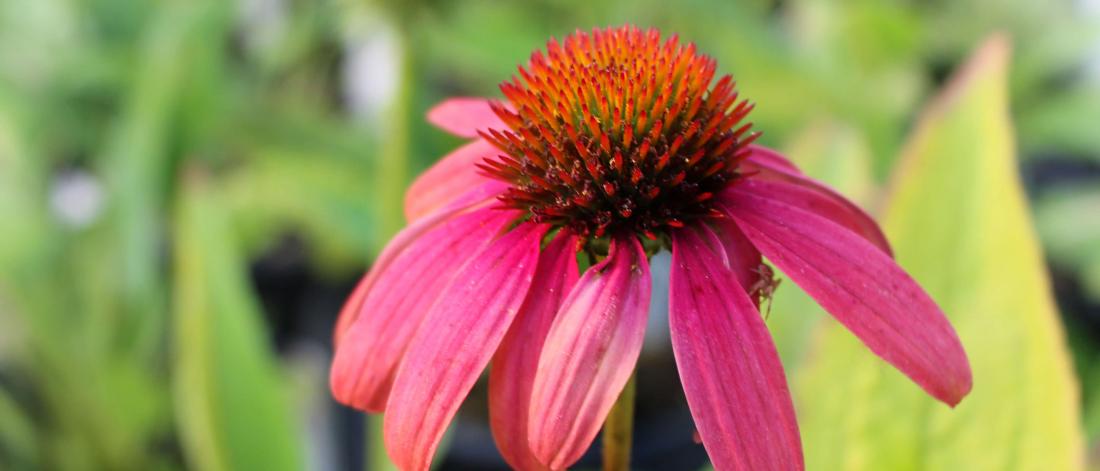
(377, 459)
(394, 132)
(618, 431)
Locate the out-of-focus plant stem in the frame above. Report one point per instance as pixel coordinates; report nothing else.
(618, 431)
(377, 459)
(394, 138)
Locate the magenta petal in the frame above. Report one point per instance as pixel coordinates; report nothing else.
(513, 372)
(729, 367)
(589, 354)
(742, 256)
(860, 286)
(820, 201)
(464, 117)
(452, 176)
(370, 350)
(455, 343)
(351, 308)
(764, 157)
(766, 165)
(401, 243)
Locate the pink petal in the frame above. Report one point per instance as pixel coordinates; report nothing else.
(742, 256)
(862, 287)
(821, 201)
(764, 157)
(370, 350)
(458, 337)
(767, 165)
(350, 311)
(454, 175)
(400, 244)
(464, 117)
(728, 365)
(517, 358)
(589, 354)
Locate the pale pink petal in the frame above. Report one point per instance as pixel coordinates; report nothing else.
(479, 196)
(764, 157)
(728, 365)
(862, 287)
(513, 372)
(464, 117)
(371, 349)
(589, 354)
(455, 343)
(451, 177)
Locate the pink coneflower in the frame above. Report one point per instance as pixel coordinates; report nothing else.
(612, 146)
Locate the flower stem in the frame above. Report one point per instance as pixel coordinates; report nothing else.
(618, 431)
(377, 459)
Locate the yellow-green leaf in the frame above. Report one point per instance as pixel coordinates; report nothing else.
(960, 225)
(231, 403)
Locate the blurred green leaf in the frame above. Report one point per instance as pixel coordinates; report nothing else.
(311, 193)
(231, 401)
(17, 447)
(22, 191)
(1091, 378)
(1065, 122)
(1069, 222)
(960, 226)
(138, 161)
(137, 156)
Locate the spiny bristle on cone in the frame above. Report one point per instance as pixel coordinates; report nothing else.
(615, 131)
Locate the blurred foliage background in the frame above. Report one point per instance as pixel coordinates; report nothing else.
(189, 188)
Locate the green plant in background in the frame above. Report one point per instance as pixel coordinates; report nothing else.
(957, 171)
(131, 98)
(230, 402)
(208, 129)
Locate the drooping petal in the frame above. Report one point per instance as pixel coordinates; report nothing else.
(860, 286)
(821, 201)
(451, 177)
(464, 117)
(391, 312)
(589, 354)
(350, 310)
(513, 369)
(767, 165)
(728, 365)
(743, 257)
(471, 199)
(764, 157)
(455, 343)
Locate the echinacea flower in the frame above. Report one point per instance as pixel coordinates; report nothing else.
(612, 146)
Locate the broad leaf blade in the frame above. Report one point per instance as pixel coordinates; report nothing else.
(959, 224)
(230, 400)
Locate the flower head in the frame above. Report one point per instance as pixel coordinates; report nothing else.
(615, 143)
(618, 131)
